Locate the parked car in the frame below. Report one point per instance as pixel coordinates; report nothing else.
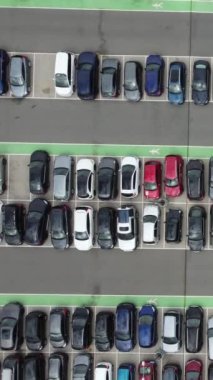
(154, 75)
(147, 326)
(126, 371)
(58, 366)
(193, 369)
(19, 76)
(63, 178)
(12, 367)
(211, 225)
(59, 327)
(197, 228)
(107, 178)
(1, 221)
(3, 165)
(4, 61)
(106, 224)
(194, 329)
(211, 178)
(34, 367)
(210, 372)
(152, 179)
(177, 83)
(81, 328)
(172, 331)
(133, 73)
(110, 77)
(60, 226)
(65, 73)
(104, 331)
(11, 326)
(85, 178)
(147, 370)
(36, 231)
(35, 330)
(127, 228)
(103, 371)
(87, 75)
(210, 338)
(39, 172)
(84, 235)
(173, 232)
(83, 367)
(151, 224)
(14, 223)
(195, 180)
(173, 178)
(171, 372)
(201, 82)
(130, 177)
(125, 327)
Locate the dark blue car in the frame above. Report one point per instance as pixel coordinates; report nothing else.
(154, 75)
(126, 371)
(4, 60)
(125, 327)
(87, 75)
(147, 326)
(176, 83)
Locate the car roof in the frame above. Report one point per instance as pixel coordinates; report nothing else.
(61, 63)
(130, 70)
(151, 210)
(110, 62)
(169, 326)
(171, 167)
(150, 170)
(80, 220)
(63, 162)
(16, 65)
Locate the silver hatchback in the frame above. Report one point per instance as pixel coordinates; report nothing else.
(63, 178)
(19, 76)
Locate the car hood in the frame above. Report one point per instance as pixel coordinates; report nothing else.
(172, 191)
(145, 335)
(127, 245)
(134, 96)
(151, 82)
(13, 240)
(105, 244)
(154, 194)
(176, 98)
(124, 345)
(171, 347)
(200, 97)
(59, 243)
(18, 91)
(64, 91)
(192, 340)
(195, 245)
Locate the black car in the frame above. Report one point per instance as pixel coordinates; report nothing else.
(106, 223)
(173, 232)
(39, 172)
(211, 178)
(34, 367)
(4, 60)
(171, 372)
(210, 372)
(104, 331)
(197, 228)
(195, 179)
(107, 178)
(81, 328)
(60, 228)
(133, 73)
(201, 82)
(57, 366)
(3, 164)
(87, 75)
(59, 327)
(194, 329)
(83, 367)
(36, 231)
(35, 330)
(176, 83)
(211, 225)
(125, 327)
(12, 367)
(11, 326)
(14, 223)
(110, 77)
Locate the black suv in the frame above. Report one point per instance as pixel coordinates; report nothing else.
(104, 331)
(195, 180)
(4, 60)
(107, 178)
(35, 330)
(39, 172)
(201, 82)
(81, 328)
(194, 329)
(106, 227)
(174, 225)
(197, 228)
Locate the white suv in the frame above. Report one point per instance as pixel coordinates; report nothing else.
(84, 236)
(103, 371)
(65, 73)
(151, 224)
(127, 228)
(130, 177)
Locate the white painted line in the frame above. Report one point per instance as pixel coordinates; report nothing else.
(34, 81)
(8, 176)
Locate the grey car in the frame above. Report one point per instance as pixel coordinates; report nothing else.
(110, 78)
(211, 178)
(19, 76)
(133, 81)
(3, 163)
(63, 178)
(82, 367)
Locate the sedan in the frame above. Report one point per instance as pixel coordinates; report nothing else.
(104, 331)
(81, 328)
(85, 178)
(125, 327)
(194, 329)
(36, 231)
(59, 327)
(151, 224)
(87, 75)
(173, 232)
(39, 172)
(210, 372)
(173, 177)
(19, 76)
(133, 73)
(177, 83)
(130, 177)
(14, 223)
(60, 226)
(1, 221)
(84, 236)
(127, 228)
(147, 370)
(195, 180)
(57, 366)
(211, 225)
(126, 371)
(147, 326)
(211, 178)
(63, 178)
(193, 369)
(171, 372)
(34, 367)
(35, 330)
(3, 165)
(197, 228)
(106, 224)
(83, 367)
(201, 82)
(154, 75)
(12, 367)
(210, 338)
(4, 60)
(65, 73)
(110, 77)
(11, 326)
(152, 179)
(107, 178)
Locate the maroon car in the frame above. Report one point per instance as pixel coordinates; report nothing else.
(147, 370)
(193, 369)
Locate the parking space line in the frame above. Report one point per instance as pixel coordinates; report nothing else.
(122, 78)
(34, 81)
(8, 177)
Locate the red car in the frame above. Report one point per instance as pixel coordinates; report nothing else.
(147, 370)
(173, 181)
(193, 370)
(152, 179)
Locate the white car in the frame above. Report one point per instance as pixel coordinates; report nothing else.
(172, 331)
(65, 73)
(130, 177)
(85, 171)
(84, 235)
(103, 371)
(151, 224)
(127, 228)
(210, 337)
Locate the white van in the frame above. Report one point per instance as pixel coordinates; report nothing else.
(65, 73)
(103, 371)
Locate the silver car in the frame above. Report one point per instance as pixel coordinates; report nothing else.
(133, 72)
(63, 178)
(19, 76)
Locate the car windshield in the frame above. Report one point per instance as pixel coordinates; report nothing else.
(152, 67)
(60, 171)
(194, 175)
(149, 219)
(58, 234)
(86, 66)
(122, 336)
(146, 320)
(130, 85)
(11, 230)
(82, 235)
(145, 371)
(150, 186)
(83, 177)
(61, 80)
(126, 236)
(210, 333)
(192, 375)
(168, 340)
(174, 88)
(199, 85)
(17, 81)
(104, 235)
(193, 322)
(80, 369)
(171, 182)
(127, 173)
